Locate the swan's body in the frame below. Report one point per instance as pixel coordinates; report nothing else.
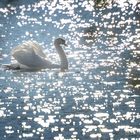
(30, 55)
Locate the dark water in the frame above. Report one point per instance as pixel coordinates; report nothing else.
(98, 97)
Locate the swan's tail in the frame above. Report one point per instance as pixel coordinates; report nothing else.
(11, 66)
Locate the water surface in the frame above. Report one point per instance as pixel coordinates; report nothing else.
(98, 97)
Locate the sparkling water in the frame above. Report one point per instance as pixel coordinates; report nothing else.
(98, 97)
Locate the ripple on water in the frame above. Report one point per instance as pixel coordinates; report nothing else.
(98, 97)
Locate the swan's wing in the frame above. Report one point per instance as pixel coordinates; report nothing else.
(37, 48)
(29, 54)
(24, 56)
(30, 46)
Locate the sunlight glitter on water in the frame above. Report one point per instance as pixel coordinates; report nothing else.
(97, 97)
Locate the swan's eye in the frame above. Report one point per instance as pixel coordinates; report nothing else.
(63, 41)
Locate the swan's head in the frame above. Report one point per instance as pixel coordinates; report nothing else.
(59, 41)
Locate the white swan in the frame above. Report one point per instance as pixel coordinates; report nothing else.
(30, 55)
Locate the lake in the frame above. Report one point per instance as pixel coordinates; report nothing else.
(98, 97)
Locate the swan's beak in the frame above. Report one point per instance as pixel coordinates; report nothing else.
(65, 45)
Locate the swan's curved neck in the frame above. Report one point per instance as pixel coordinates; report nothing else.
(63, 58)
